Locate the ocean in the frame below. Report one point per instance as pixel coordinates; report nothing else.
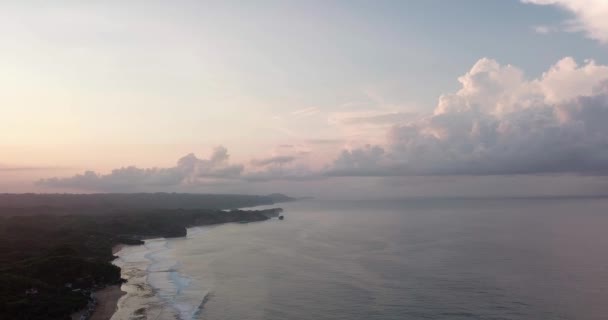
(544, 258)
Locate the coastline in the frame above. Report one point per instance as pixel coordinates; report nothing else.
(45, 276)
(117, 248)
(104, 305)
(107, 302)
(106, 299)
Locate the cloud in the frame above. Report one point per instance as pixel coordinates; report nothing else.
(370, 118)
(366, 126)
(296, 172)
(293, 164)
(188, 170)
(324, 142)
(589, 16)
(500, 123)
(366, 161)
(543, 29)
(280, 160)
(216, 166)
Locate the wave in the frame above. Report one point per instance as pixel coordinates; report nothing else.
(156, 288)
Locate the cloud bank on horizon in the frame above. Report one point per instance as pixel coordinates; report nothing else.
(497, 123)
(589, 17)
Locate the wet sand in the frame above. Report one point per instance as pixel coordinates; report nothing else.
(105, 306)
(107, 300)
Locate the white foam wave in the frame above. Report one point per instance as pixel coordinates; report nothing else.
(156, 283)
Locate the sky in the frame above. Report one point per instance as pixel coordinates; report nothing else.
(321, 98)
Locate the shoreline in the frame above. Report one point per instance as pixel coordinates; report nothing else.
(57, 276)
(107, 302)
(106, 299)
(117, 248)
(104, 306)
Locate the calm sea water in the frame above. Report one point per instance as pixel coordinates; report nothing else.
(408, 259)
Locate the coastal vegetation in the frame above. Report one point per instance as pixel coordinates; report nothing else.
(56, 252)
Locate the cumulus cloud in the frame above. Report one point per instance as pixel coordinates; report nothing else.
(589, 16)
(189, 172)
(500, 123)
(217, 166)
(189, 169)
(366, 161)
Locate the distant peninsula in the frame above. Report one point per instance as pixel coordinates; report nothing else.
(56, 249)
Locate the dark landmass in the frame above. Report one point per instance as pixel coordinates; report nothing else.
(54, 254)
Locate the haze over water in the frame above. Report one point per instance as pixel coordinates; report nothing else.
(398, 259)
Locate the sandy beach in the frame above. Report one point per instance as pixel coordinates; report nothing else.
(107, 299)
(106, 304)
(117, 248)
